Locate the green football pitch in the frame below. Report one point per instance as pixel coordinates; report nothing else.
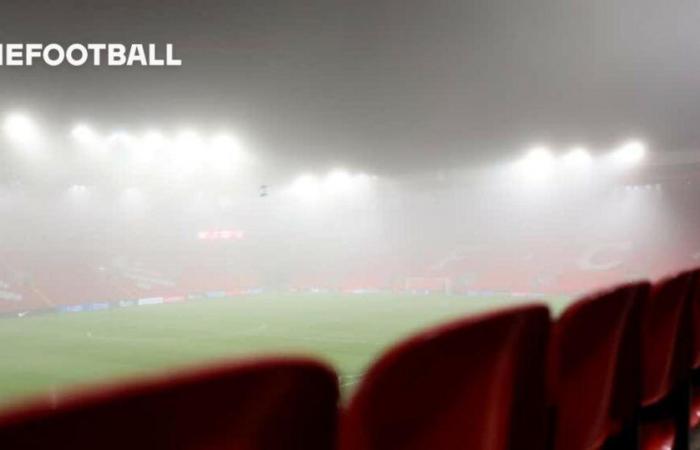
(44, 354)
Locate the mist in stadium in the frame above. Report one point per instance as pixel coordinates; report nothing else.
(353, 225)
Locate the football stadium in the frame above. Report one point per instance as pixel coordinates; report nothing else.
(349, 226)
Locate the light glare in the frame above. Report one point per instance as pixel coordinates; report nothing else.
(186, 158)
(537, 164)
(578, 158)
(631, 152)
(339, 181)
(224, 152)
(83, 134)
(145, 151)
(120, 138)
(153, 139)
(20, 129)
(306, 187)
(226, 141)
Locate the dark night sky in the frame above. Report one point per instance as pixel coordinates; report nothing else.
(384, 84)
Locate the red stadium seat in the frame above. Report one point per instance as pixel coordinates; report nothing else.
(695, 310)
(257, 405)
(665, 356)
(695, 408)
(588, 350)
(658, 435)
(695, 361)
(474, 384)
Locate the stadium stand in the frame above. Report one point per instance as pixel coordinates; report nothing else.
(477, 383)
(587, 356)
(665, 356)
(257, 405)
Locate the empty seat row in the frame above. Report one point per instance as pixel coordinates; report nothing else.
(614, 371)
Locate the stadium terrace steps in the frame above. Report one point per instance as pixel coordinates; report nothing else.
(614, 371)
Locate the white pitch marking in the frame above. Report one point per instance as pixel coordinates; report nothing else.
(350, 380)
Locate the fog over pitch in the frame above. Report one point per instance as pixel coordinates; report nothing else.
(383, 85)
(521, 147)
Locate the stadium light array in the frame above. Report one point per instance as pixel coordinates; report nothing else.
(178, 156)
(20, 129)
(540, 164)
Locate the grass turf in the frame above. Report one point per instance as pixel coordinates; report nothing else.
(47, 353)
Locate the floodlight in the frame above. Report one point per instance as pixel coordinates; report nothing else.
(143, 153)
(223, 151)
(630, 153)
(78, 193)
(187, 153)
(21, 129)
(339, 181)
(537, 164)
(83, 134)
(306, 187)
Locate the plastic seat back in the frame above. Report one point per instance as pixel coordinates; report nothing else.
(665, 337)
(694, 296)
(270, 404)
(473, 384)
(586, 347)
